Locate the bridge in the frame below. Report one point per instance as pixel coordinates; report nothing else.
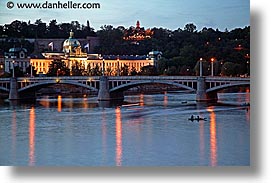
(110, 88)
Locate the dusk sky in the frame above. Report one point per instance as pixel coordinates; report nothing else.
(172, 14)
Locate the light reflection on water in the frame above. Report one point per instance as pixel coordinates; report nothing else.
(213, 136)
(118, 137)
(32, 137)
(153, 130)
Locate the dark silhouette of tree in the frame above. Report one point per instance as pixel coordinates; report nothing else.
(190, 27)
(58, 68)
(148, 70)
(77, 69)
(124, 70)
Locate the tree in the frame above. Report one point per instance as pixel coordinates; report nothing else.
(77, 69)
(28, 70)
(96, 71)
(190, 27)
(148, 70)
(53, 29)
(58, 68)
(230, 69)
(133, 72)
(124, 70)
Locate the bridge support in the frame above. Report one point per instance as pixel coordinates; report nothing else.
(104, 92)
(201, 90)
(202, 96)
(13, 95)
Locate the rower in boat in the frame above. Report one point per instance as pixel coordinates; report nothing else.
(192, 118)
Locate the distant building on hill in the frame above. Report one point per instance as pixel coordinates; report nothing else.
(137, 33)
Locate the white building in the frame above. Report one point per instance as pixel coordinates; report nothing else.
(16, 57)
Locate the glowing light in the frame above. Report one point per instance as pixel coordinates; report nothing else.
(32, 137)
(118, 137)
(213, 137)
(85, 103)
(202, 145)
(165, 100)
(141, 100)
(59, 103)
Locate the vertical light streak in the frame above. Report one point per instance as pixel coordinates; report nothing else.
(202, 145)
(165, 100)
(59, 103)
(141, 100)
(32, 137)
(213, 137)
(118, 137)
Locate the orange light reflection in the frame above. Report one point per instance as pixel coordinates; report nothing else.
(85, 104)
(59, 103)
(213, 137)
(141, 100)
(32, 137)
(202, 145)
(118, 137)
(165, 100)
(45, 102)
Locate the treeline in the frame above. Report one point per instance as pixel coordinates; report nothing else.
(39, 29)
(181, 48)
(15, 33)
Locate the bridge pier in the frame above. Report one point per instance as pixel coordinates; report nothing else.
(13, 94)
(201, 90)
(104, 92)
(202, 96)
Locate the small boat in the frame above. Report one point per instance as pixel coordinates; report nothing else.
(197, 118)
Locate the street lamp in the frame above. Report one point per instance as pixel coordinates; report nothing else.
(103, 67)
(31, 69)
(117, 66)
(13, 75)
(57, 72)
(201, 59)
(212, 66)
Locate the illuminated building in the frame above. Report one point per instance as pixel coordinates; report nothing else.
(73, 54)
(137, 33)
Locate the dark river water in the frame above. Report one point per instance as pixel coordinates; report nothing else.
(148, 130)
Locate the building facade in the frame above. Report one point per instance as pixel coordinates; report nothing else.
(16, 57)
(72, 54)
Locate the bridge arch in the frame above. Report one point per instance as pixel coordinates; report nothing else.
(221, 87)
(4, 89)
(48, 83)
(129, 85)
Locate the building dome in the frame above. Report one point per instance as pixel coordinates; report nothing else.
(70, 44)
(16, 50)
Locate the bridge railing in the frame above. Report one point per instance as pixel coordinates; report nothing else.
(89, 78)
(218, 79)
(152, 78)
